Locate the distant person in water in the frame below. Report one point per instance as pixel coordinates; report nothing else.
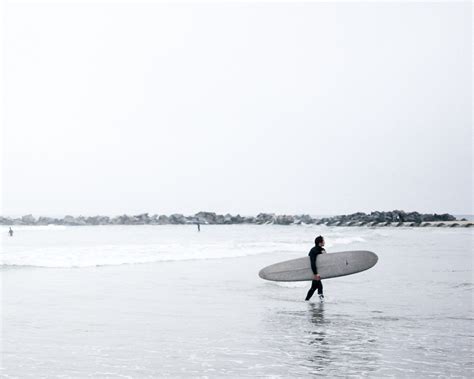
(10, 232)
(199, 227)
(316, 283)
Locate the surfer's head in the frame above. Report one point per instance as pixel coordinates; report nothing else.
(319, 241)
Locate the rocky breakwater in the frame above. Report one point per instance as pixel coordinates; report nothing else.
(394, 218)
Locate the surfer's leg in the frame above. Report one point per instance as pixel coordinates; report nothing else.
(314, 286)
(320, 287)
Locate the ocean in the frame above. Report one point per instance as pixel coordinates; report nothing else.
(166, 301)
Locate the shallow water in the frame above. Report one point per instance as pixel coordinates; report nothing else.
(148, 301)
(85, 246)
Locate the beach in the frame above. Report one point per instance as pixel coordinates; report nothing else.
(167, 301)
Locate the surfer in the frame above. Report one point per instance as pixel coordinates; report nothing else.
(316, 283)
(10, 232)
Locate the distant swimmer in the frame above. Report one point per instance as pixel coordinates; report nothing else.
(316, 284)
(199, 227)
(10, 232)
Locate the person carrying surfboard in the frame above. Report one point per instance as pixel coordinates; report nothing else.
(316, 283)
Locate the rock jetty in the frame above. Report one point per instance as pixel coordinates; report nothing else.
(394, 218)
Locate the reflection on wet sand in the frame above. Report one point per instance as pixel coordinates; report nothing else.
(339, 340)
(316, 312)
(320, 354)
(316, 316)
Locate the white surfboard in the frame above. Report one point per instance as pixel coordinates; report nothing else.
(330, 265)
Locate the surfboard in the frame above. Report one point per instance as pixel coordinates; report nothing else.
(330, 265)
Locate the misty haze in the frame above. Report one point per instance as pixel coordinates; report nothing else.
(236, 189)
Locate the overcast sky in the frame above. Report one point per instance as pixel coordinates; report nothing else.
(320, 108)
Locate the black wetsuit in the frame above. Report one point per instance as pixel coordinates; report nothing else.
(315, 284)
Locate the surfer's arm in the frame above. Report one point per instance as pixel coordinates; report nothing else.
(312, 258)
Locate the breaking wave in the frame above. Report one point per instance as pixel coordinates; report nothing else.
(81, 247)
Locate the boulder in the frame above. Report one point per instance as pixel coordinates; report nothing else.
(249, 220)
(93, 220)
(69, 220)
(6, 220)
(28, 220)
(445, 217)
(177, 218)
(237, 219)
(124, 220)
(81, 221)
(265, 218)
(228, 219)
(399, 216)
(284, 220)
(47, 221)
(306, 219)
(153, 219)
(206, 217)
(117, 220)
(414, 217)
(142, 219)
(163, 220)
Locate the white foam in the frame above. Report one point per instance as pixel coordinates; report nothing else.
(33, 227)
(117, 245)
(291, 284)
(343, 241)
(105, 255)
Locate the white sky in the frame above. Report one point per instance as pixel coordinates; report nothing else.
(319, 108)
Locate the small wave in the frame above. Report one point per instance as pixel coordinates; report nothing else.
(82, 247)
(343, 240)
(103, 256)
(292, 284)
(463, 285)
(460, 318)
(385, 318)
(13, 266)
(35, 227)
